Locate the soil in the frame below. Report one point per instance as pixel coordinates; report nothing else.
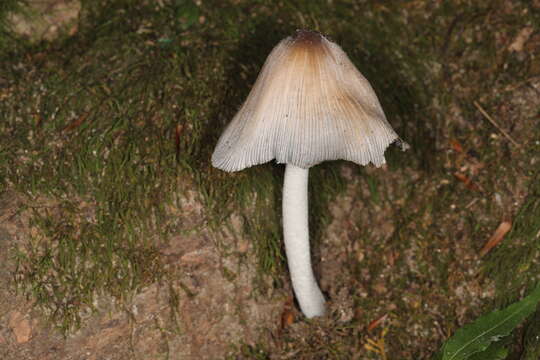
(216, 304)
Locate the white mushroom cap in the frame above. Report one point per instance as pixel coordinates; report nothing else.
(309, 104)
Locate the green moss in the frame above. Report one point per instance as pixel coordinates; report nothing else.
(517, 257)
(8, 7)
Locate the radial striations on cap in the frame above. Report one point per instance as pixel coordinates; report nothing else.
(309, 104)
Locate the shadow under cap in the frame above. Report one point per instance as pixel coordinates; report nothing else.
(309, 104)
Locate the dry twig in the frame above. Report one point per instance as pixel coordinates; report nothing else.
(490, 119)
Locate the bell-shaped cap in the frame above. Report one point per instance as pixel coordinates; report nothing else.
(309, 104)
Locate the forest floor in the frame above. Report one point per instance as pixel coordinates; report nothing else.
(118, 240)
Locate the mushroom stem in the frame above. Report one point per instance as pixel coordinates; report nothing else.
(296, 238)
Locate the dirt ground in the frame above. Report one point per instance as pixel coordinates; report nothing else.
(217, 310)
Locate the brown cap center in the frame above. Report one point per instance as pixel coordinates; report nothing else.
(306, 37)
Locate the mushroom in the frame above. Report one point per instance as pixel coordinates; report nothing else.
(309, 104)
